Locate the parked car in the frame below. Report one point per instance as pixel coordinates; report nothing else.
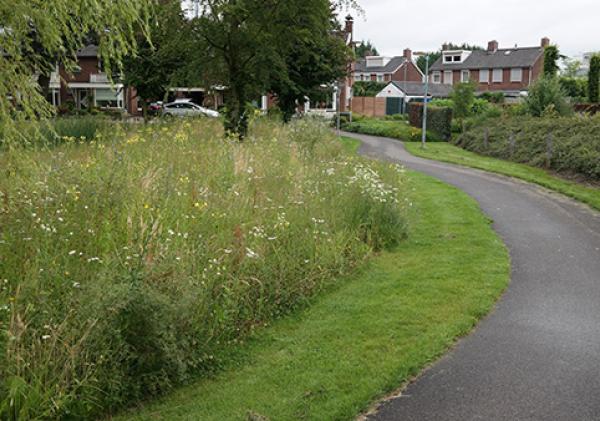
(155, 108)
(183, 108)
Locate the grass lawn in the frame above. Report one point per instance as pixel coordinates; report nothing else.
(453, 154)
(371, 334)
(350, 144)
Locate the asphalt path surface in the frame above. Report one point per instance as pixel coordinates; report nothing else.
(537, 356)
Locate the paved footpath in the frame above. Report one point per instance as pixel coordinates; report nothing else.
(537, 356)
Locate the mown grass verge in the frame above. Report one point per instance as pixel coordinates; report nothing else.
(449, 153)
(374, 332)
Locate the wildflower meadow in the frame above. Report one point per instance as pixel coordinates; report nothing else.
(139, 257)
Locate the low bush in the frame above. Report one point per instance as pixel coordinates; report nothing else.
(565, 144)
(131, 263)
(392, 128)
(439, 119)
(368, 88)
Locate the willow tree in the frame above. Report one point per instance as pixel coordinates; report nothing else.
(36, 35)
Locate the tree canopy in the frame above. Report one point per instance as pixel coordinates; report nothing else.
(161, 60)
(364, 49)
(36, 35)
(286, 47)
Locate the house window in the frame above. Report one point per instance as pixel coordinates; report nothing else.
(437, 77)
(379, 78)
(498, 76)
(484, 76)
(465, 76)
(457, 59)
(448, 59)
(448, 77)
(516, 75)
(357, 78)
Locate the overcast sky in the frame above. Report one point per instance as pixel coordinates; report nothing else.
(393, 25)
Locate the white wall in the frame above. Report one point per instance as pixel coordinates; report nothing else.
(390, 91)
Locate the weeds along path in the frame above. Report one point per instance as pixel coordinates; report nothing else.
(536, 356)
(375, 331)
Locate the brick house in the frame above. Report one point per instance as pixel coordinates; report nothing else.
(507, 70)
(88, 86)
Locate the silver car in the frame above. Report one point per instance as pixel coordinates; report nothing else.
(187, 109)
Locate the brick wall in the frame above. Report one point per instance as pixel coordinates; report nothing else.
(412, 74)
(369, 106)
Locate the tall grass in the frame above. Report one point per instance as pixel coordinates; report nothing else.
(131, 263)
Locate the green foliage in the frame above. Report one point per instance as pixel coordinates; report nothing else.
(161, 61)
(546, 94)
(463, 96)
(575, 88)
(594, 79)
(134, 262)
(289, 48)
(439, 119)
(571, 69)
(368, 88)
(493, 97)
(37, 35)
(364, 49)
(551, 56)
(394, 129)
(575, 144)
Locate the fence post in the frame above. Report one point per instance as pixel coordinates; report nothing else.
(512, 143)
(486, 138)
(549, 150)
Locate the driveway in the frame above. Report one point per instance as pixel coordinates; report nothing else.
(537, 356)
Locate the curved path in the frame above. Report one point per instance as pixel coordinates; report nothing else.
(537, 356)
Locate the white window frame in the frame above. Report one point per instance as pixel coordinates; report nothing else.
(436, 77)
(451, 81)
(495, 78)
(485, 79)
(516, 74)
(462, 75)
(380, 78)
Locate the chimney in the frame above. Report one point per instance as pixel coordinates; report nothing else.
(349, 27)
(408, 54)
(545, 42)
(492, 46)
(445, 47)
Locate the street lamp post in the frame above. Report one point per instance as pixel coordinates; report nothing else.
(424, 135)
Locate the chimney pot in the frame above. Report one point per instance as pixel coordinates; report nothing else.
(408, 54)
(545, 42)
(493, 46)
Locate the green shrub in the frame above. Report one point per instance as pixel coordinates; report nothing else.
(575, 145)
(574, 87)
(493, 97)
(439, 119)
(136, 261)
(546, 93)
(594, 79)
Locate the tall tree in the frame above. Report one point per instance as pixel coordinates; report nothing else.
(594, 79)
(246, 45)
(36, 35)
(364, 49)
(161, 61)
(313, 53)
(551, 57)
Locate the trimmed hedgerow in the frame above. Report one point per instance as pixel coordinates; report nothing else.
(570, 145)
(439, 119)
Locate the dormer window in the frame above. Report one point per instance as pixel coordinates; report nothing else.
(448, 59)
(456, 59)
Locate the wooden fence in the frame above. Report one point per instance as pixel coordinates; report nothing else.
(368, 106)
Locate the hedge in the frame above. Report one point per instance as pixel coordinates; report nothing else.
(439, 119)
(569, 145)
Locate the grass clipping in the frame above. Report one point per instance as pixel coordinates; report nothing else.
(140, 258)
